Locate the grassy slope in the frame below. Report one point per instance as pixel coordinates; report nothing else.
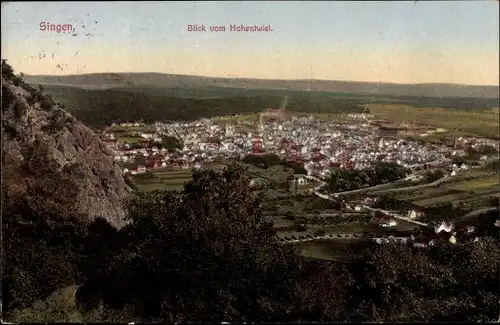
(168, 179)
(459, 190)
(483, 123)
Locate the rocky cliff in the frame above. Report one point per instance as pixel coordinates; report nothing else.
(30, 120)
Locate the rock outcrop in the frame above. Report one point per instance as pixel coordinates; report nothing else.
(30, 117)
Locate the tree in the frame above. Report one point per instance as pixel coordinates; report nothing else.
(298, 168)
(341, 180)
(204, 254)
(445, 283)
(140, 159)
(486, 150)
(434, 175)
(170, 143)
(40, 232)
(323, 292)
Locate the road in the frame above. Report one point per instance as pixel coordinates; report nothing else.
(479, 211)
(343, 214)
(375, 187)
(415, 187)
(378, 240)
(370, 189)
(395, 215)
(379, 188)
(317, 188)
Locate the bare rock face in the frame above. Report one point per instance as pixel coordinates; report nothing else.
(102, 190)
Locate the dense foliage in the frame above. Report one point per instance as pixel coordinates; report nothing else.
(35, 94)
(443, 283)
(434, 175)
(341, 180)
(263, 160)
(269, 159)
(479, 151)
(102, 107)
(298, 168)
(170, 143)
(207, 254)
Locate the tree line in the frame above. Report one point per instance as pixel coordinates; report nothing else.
(341, 180)
(269, 159)
(98, 108)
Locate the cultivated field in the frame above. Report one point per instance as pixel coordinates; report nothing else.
(175, 179)
(477, 185)
(303, 217)
(431, 200)
(334, 250)
(168, 179)
(303, 188)
(130, 139)
(275, 173)
(471, 189)
(126, 128)
(483, 123)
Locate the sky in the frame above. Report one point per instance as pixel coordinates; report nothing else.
(376, 41)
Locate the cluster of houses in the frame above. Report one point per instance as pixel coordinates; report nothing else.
(157, 159)
(443, 233)
(462, 142)
(319, 146)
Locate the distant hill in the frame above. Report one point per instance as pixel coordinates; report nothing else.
(160, 80)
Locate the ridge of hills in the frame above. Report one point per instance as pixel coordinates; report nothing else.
(163, 80)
